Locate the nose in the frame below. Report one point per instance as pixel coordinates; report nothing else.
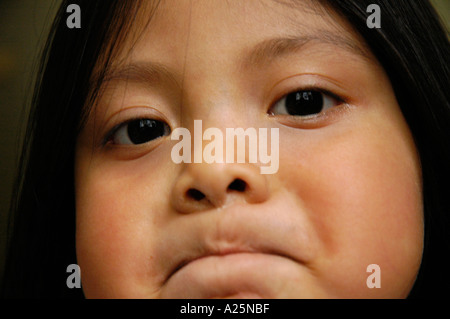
(207, 186)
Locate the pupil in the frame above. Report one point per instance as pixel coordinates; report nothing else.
(304, 103)
(145, 130)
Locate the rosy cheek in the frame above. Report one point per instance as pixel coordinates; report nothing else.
(115, 232)
(361, 190)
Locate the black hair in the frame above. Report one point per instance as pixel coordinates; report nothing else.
(411, 45)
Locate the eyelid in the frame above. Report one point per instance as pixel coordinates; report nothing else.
(315, 88)
(127, 115)
(122, 125)
(337, 98)
(308, 81)
(317, 120)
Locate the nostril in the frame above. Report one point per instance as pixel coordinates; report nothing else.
(238, 185)
(195, 194)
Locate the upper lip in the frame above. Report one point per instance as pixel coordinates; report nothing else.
(237, 230)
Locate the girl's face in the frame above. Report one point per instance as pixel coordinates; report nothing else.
(347, 193)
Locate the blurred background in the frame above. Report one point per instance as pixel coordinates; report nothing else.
(23, 29)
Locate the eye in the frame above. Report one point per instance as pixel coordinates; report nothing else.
(304, 103)
(139, 131)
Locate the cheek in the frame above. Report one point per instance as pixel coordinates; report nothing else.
(362, 192)
(119, 206)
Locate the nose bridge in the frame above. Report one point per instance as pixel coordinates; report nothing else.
(213, 101)
(213, 96)
(211, 84)
(224, 144)
(220, 169)
(219, 120)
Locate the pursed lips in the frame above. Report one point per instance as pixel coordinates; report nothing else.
(231, 251)
(237, 230)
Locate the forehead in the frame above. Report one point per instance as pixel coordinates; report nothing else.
(176, 30)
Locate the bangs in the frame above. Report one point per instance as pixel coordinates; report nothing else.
(124, 24)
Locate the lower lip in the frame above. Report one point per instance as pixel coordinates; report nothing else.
(237, 275)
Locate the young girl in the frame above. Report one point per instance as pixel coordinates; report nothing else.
(356, 209)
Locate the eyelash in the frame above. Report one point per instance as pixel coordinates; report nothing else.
(110, 137)
(300, 96)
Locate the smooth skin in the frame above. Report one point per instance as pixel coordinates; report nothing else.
(347, 193)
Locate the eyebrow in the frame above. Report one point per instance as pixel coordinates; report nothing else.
(261, 54)
(147, 72)
(268, 50)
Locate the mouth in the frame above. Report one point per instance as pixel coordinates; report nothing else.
(242, 250)
(231, 251)
(239, 264)
(209, 253)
